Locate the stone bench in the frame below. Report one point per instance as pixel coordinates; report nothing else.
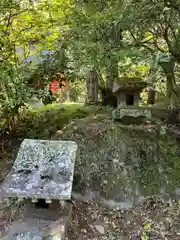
(42, 175)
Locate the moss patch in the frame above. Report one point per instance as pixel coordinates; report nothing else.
(45, 121)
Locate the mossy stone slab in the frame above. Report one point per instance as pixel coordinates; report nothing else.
(43, 169)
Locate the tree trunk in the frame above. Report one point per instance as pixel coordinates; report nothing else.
(171, 92)
(112, 73)
(172, 95)
(151, 95)
(92, 87)
(110, 80)
(108, 98)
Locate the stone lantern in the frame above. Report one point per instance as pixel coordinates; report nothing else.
(127, 92)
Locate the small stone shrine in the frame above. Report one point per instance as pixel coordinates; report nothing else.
(127, 92)
(41, 178)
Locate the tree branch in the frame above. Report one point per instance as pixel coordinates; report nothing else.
(14, 15)
(157, 46)
(141, 44)
(174, 4)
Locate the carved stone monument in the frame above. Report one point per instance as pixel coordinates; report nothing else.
(42, 175)
(127, 92)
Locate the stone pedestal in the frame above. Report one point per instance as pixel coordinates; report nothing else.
(119, 113)
(39, 224)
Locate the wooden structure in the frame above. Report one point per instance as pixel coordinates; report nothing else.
(41, 177)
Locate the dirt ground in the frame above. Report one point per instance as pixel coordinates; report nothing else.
(153, 219)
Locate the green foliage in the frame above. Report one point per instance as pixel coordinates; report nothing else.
(146, 229)
(22, 25)
(96, 35)
(77, 90)
(13, 94)
(114, 38)
(154, 27)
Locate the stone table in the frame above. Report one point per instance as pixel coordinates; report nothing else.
(43, 169)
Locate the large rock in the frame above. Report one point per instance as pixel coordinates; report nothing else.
(123, 163)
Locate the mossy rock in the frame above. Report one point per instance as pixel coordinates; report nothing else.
(120, 163)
